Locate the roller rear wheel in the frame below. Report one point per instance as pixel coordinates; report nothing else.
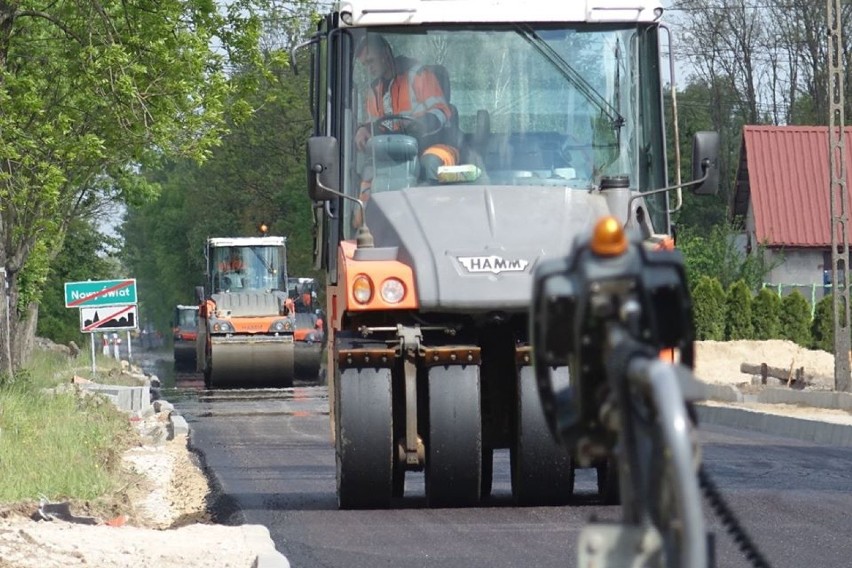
(542, 472)
(364, 439)
(454, 450)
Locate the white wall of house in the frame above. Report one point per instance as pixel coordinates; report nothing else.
(795, 266)
(798, 269)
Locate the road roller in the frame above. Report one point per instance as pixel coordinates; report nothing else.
(457, 145)
(246, 318)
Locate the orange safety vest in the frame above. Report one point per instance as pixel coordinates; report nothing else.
(415, 93)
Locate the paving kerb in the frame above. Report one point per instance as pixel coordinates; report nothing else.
(725, 407)
(130, 399)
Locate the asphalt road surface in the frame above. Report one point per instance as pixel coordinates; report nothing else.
(273, 458)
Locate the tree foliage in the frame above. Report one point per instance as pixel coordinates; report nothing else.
(796, 319)
(822, 327)
(767, 58)
(738, 323)
(90, 93)
(715, 254)
(708, 301)
(256, 176)
(82, 258)
(766, 314)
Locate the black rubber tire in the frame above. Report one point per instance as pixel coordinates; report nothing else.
(542, 470)
(364, 440)
(454, 448)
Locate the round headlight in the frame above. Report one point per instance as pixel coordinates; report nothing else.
(362, 289)
(221, 326)
(278, 326)
(393, 291)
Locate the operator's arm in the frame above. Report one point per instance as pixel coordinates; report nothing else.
(430, 95)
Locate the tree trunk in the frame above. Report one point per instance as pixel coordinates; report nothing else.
(6, 366)
(23, 336)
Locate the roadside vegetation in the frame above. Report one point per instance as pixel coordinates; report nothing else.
(57, 444)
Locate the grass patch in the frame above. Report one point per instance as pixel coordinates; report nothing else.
(56, 443)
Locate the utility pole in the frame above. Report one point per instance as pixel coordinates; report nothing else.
(839, 203)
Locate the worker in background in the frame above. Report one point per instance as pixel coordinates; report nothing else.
(234, 262)
(401, 86)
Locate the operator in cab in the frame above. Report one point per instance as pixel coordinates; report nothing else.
(231, 270)
(401, 86)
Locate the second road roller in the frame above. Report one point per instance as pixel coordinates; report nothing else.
(246, 318)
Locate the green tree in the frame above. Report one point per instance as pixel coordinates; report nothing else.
(708, 300)
(90, 93)
(822, 327)
(738, 312)
(83, 257)
(796, 319)
(256, 175)
(714, 253)
(766, 314)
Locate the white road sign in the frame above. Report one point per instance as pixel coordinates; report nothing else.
(108, 318)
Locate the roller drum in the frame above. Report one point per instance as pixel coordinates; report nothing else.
(252, 361)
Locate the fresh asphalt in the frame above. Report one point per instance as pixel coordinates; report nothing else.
(274, 463)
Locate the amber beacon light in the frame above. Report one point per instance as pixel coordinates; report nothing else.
(608, 238)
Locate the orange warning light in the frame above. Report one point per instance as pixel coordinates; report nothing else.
(608, 238)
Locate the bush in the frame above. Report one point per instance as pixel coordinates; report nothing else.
(796, 319)
(822, 327)
(708, 301)
(738, 312)
(766, 314)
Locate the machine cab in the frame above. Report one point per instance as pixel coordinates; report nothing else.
(567, 100)
(247, 265)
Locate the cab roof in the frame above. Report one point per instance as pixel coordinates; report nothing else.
(412, 12)
(246, 241)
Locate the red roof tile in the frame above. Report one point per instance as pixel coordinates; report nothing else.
(784, 171)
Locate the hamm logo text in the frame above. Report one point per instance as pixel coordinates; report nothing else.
(493, 264)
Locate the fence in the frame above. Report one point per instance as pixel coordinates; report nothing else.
(812, 292)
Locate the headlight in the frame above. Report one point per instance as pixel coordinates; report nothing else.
(362, 289)
(393, 291)
(222, 326)
(281, 325)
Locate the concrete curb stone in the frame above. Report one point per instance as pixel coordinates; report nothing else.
(784, 426)
(259, 539)
(177, 426)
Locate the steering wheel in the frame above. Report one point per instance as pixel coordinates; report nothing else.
(379, 126)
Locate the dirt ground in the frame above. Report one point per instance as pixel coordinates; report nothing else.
(164, 520)
(166, 523)
(719, 361)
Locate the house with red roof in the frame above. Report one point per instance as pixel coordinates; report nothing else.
(782, 193)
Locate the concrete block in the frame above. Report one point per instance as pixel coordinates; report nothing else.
(129, 399)
(258, 538)
(722, 393)
(177, 426)
(163, 406)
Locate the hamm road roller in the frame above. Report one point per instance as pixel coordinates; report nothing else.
(456, 146)
(246, 319)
